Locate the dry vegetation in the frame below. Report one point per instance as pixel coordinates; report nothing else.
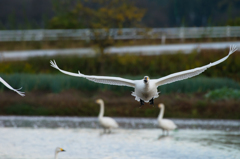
(77, 103)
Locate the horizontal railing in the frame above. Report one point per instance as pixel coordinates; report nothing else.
(138, 50)
(121, 34)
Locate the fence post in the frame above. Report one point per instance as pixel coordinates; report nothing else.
(88, 35)
(228, 32)
(163, 38)
(181, 34)
(1, 56)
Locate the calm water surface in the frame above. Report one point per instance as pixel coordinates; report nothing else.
(37, 137)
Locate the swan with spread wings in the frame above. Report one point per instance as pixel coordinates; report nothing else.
(146, 88)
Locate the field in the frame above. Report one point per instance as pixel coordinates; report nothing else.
(213, 94)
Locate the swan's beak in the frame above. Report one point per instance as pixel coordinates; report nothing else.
(62, 149)
(97, 101)
(159, 106)
(145, 79)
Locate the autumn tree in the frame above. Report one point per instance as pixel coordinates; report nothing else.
(100, 16)
(65, 15)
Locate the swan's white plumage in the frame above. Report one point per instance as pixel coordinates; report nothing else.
(191, 73)
(106, 122)
(146, 91)
(8, 86)
(165, 124)
(99, 79)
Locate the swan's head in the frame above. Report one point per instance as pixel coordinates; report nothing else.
(58, 149)
(146, 79)
(99, 101)
(160, 105)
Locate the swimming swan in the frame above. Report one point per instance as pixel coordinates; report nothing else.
(165, 124)
(8, 86)
(146, 88)
(58, 149)
(106, 122)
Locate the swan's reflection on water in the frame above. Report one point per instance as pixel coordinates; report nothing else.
(165, 137)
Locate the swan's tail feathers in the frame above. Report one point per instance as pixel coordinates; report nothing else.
(54, 64)
(233, 48)
(136, 97)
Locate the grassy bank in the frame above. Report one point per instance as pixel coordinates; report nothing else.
(82, 103)
(71, 96)
(224, 94)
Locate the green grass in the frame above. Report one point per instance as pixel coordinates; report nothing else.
(224, 94)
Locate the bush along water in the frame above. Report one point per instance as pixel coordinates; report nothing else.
(224, 94)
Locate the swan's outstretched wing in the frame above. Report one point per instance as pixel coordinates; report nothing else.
(190, 73)
(8, 86)
(99, 79)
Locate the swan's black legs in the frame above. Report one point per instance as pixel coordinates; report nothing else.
(151, 101)
(141, 102)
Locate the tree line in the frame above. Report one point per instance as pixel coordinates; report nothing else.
(30, 14)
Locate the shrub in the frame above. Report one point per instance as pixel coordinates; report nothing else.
(224, 94)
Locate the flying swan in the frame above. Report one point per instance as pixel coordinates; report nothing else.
(106, 122)
(146, 88)
(165, 124)
(8, 86)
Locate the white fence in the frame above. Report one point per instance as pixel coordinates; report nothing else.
(139, 50)
(122, 34)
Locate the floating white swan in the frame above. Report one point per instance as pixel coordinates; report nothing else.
(146, 89)
(165, 124)
(8, 86)
(58, 149)
(106, 122)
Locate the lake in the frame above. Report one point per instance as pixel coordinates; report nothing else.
(140, 138)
